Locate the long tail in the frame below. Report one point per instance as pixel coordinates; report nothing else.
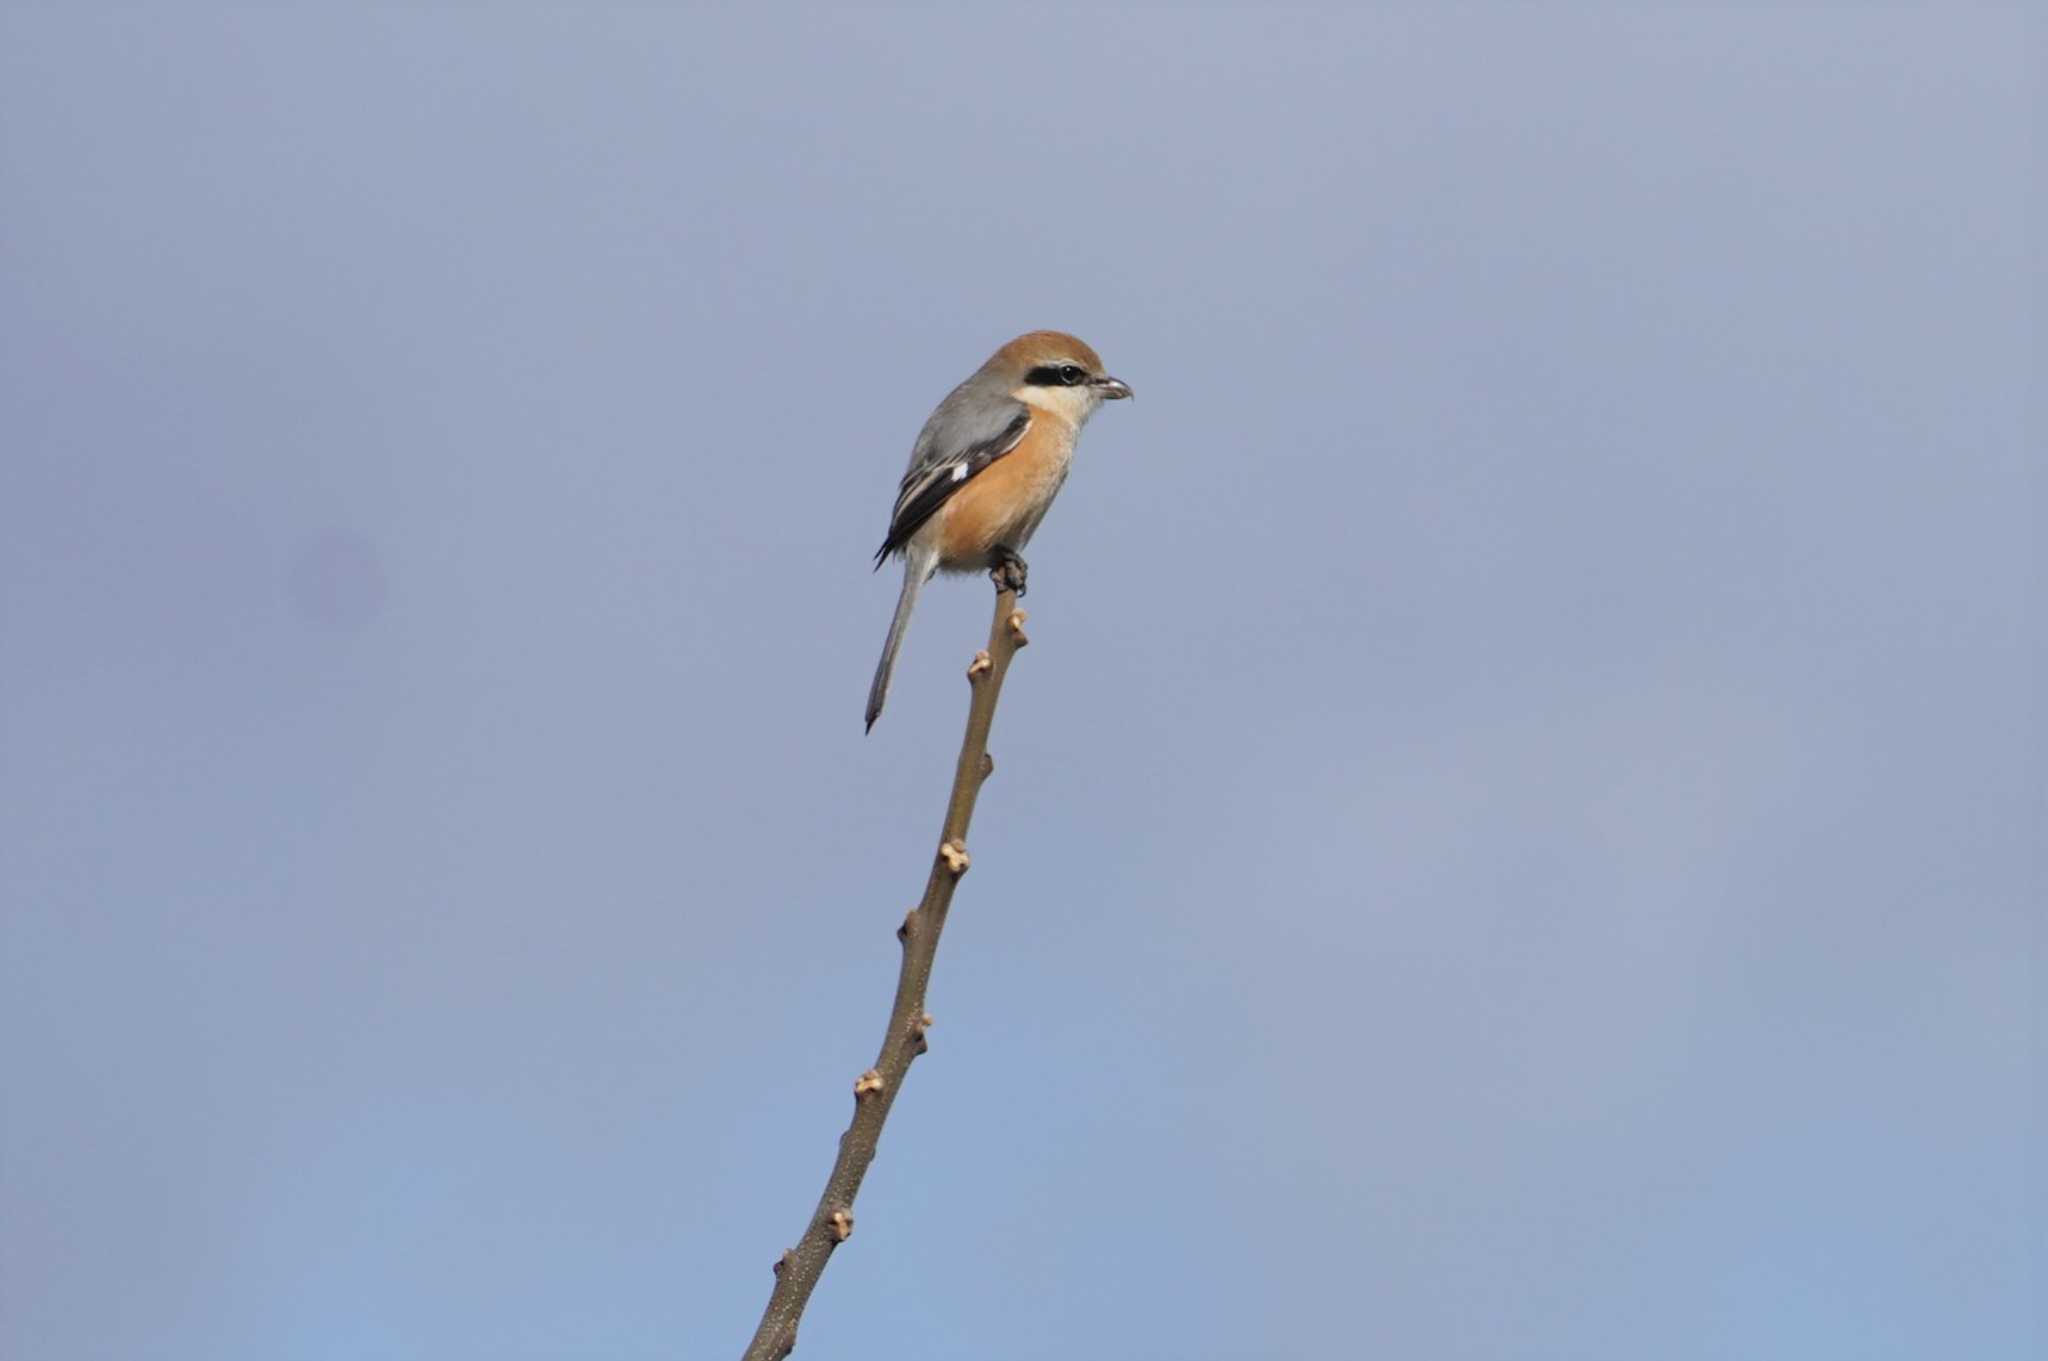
(917, 569)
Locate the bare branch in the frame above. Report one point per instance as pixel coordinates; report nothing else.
(798, 1270)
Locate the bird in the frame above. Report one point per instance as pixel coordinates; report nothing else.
(984, 470)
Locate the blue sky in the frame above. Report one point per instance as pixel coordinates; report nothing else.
(1517, 836)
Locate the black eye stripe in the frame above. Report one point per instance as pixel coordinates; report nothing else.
(1055, 375)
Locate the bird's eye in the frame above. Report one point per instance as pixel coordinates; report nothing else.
(1070, 374)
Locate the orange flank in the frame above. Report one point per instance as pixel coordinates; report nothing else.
(1005, 501)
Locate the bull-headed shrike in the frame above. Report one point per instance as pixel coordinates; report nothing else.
(985, 468)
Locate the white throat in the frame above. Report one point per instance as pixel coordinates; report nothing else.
(1074, 405)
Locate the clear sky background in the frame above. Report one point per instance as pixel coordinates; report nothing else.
(1517, 836)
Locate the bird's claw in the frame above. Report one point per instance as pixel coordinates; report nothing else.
(1008, 572)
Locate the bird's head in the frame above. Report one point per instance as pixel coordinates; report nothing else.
(1055, 372)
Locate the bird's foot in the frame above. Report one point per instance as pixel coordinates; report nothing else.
(1008, 571)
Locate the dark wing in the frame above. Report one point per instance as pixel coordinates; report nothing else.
(942, 467)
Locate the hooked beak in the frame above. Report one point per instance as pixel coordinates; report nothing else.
(1112, 389)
